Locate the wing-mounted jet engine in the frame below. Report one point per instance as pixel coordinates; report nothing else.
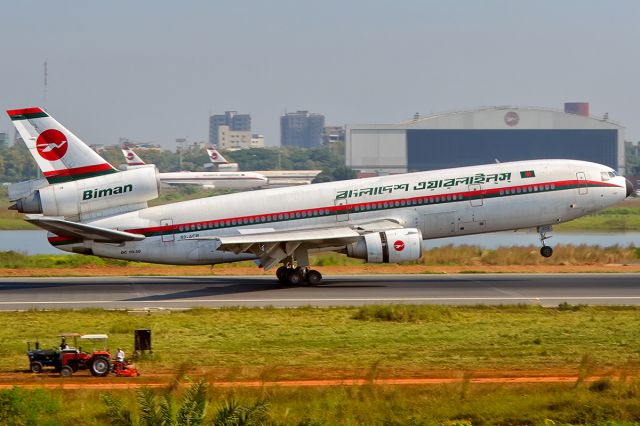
(392, 246)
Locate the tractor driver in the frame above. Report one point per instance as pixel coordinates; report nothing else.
(63, 344)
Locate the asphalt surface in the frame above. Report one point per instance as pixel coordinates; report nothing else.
(353, 290)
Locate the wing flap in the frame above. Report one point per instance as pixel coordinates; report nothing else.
(317, 236)
(274, 246)
(65, 228)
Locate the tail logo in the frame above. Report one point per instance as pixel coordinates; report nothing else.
(52, 144)
(129, 155)
(214, 156)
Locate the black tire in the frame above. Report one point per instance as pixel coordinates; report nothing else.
(294, 277)
(36, 367)
(66, 371)
(100, 367)
(313, 277)
(546, 251)
(281, 274)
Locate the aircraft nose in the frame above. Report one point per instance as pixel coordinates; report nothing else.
(629, 188)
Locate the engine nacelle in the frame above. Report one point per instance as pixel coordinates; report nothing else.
(82, 197)
(392, 246)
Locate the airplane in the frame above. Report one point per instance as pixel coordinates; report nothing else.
(91, 208)
(131, 157)
(220, 180)
(276, 178)
(220, 162)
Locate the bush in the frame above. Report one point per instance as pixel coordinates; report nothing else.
(27, 407)
(404, 313)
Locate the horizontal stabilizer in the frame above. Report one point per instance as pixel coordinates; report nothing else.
(65, 228)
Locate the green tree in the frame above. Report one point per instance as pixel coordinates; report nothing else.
(632, 161)
(2, 154)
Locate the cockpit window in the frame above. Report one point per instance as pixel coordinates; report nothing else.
(608, 175)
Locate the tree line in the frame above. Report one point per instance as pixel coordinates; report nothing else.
(16, 164)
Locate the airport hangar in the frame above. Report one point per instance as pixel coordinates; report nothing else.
(484, 136)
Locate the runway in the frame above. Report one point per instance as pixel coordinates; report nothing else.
(352, 290)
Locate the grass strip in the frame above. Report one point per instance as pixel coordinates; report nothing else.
(315, 342)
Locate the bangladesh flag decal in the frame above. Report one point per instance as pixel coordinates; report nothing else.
(527, 174)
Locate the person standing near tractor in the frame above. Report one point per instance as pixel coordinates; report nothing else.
(119, 359)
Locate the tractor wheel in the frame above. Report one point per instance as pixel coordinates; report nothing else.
(100, 367)
(66, 371)
(36, 367)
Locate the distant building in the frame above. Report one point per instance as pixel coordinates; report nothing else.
(257, 141)
(232, 139)
(234, 121)
(4, 139)
(138, 146)
(302, 129)
(333, 134)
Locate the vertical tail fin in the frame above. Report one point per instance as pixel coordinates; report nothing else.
(216, 157)
(60, 154)
(131, 157)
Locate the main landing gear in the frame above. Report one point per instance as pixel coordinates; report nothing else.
(545, 250)
(289, 275)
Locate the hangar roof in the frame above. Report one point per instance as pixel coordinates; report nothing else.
(501, 117)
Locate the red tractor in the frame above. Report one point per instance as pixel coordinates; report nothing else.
(98, 362)
(70, 359)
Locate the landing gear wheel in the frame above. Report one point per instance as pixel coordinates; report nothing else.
(294, 277)
(100, 367)
(66, 371)
(36, 367)
(313, 277)
(546, 251)
(281, 274)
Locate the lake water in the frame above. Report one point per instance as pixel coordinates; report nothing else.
(35, 242)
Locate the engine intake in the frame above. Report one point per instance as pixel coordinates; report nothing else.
(393, 246)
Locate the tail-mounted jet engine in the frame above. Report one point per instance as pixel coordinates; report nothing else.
(86, 196)
(395, 245)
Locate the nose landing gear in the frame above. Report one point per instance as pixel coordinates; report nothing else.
(545, 250)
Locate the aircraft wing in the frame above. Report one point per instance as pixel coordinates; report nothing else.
(273, 246)
(65, 228)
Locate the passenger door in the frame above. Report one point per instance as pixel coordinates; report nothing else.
(167, 230)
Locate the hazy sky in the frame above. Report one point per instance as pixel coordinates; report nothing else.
(155, 70)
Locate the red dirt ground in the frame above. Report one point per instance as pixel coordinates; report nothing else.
(84, 381)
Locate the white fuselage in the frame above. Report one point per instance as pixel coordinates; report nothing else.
(278, 178)
(220, 180)
(441, 203)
